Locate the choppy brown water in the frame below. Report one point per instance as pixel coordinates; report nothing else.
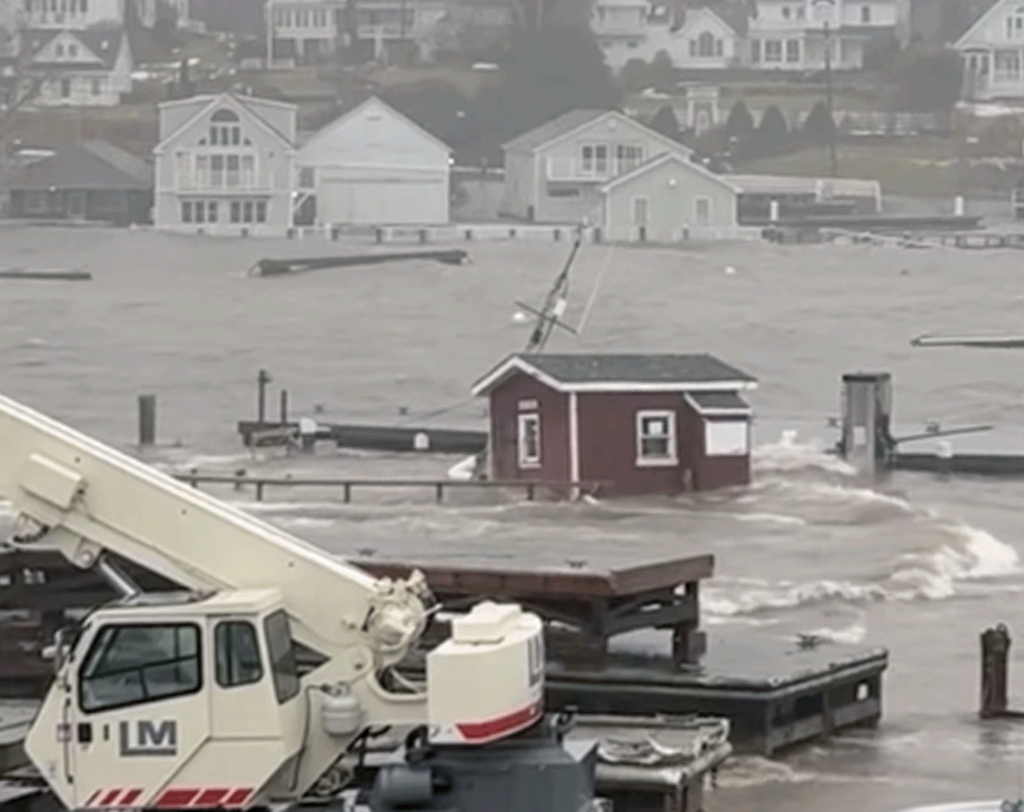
(915, 564)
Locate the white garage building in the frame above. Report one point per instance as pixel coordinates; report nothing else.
(374, 166)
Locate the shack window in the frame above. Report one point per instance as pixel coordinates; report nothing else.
(131, 664)
(655, 438)
(281, 652)
(726, 438)
(238, 654)
(529, 440)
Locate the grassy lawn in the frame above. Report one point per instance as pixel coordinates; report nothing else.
(917, 168)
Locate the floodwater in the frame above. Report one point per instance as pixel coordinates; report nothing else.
(915, 563)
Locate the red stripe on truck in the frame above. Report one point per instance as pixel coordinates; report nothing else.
(480, 732)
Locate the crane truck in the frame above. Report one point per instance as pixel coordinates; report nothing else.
(195, 698)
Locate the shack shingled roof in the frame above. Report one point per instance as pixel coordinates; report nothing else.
(90, 165)
(635, 368)
(719, 400)
(593, 372)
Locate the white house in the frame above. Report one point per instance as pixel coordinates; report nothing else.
(668, 199)
(555, 172)
(225, 165)
(697, 37)
(992, 50)
(89, 67)
(374, 166)
(793, 35)
(776, 35)
(303, 31)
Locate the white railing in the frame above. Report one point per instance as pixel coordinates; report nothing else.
(264, 182)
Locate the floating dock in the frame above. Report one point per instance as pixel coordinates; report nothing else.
(284, 267)
(775, 693)
(605, 656)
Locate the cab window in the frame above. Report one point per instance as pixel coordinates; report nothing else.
(132, 664)
(282, 656)
(238, 654)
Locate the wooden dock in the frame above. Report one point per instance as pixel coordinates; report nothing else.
(264, 433)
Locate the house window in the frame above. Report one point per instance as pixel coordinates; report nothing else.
(706, 44)
(200, 211)
(248, 171)
(307, 177)
(564, 191)
(773, 50)
(247, 211)
(702, 211)
(236, 211)
(211, 211)
(792, 50)
(72, 50)
(261, 211)
(65, 88)
(97, 86)
(233, 164)
(595, 159)
(528, 440)
(202, 170)
(186, 211)
(59, 49)
(216, 170)
(755, 50)
(865, 14)
(785, 12)
(726, 438)
(628, 157)
(655, 438)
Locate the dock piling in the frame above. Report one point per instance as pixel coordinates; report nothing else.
(284, 406)
(147, 420)
(262, 380)
(995, 659)
(867, 408)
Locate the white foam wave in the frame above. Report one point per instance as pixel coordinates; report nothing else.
(825, 491)
(728, 601)
(851, 635)
(788, 455)
(741, 772)
(769, 518)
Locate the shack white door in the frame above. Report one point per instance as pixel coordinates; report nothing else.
(383, 199)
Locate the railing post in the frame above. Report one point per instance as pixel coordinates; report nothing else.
(347, 492)
(439, 492)
(259, 490)
(530, 488)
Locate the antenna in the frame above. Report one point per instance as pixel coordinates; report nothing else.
(550, 313)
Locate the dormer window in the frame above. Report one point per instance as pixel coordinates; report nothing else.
(59, 49)
(224, 134)
(72, 50)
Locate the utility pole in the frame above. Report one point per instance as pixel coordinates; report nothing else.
(828, 101)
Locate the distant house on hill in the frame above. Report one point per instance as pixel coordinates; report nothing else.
(92, 180)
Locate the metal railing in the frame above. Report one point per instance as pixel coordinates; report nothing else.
(531, 488)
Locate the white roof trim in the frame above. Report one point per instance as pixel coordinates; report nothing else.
(739, 411)
(713, 13)
(982, 20)
(656, 162)
(229, 99)
(376, 100)
(519, 365)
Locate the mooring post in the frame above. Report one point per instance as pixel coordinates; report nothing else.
(262, 379)
(147, 420)
(867, 409)
(995, 660)
(284, 406)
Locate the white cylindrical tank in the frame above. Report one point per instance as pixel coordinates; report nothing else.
(341, 715)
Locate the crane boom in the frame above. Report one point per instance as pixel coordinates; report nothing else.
(195, 699)
(95, 499)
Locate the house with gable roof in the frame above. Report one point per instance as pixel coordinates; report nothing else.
(89, 67)
(992, 52)
(374, 166)
(225, 165)
(554, 172)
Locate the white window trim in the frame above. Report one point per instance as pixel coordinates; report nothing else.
(523, 460)
(673, 442)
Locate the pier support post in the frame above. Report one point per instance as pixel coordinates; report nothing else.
(284, 406)
(147, 420)
(262, 379)
(995, 659)
(867, 409)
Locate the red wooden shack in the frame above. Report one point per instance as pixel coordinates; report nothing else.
(646, 424)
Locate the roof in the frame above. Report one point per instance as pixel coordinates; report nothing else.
(620, 373)
(549, 131)
(204, 103)
(734, 15)
(669, 157)
(374, 101)
(975, 14)
(93, 165)
(717, 403)
(92, 38)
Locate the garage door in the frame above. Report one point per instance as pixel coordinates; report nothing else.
(382, 201)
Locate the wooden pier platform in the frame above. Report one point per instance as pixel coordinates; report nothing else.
(257, 433)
